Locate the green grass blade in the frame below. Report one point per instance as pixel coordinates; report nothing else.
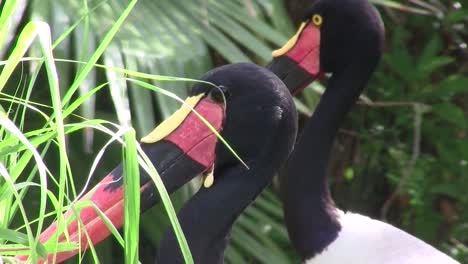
(25, 39)
(52, 77)
(6, 123)
(97, 54)
(131, 176)
(6, 15)
(166, 200)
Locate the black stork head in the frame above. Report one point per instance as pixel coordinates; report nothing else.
(333, 35)
(260, 124)
(251, 109)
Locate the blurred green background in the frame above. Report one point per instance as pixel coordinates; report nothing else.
(401, 156)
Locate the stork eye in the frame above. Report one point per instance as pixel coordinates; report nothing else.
(219, 94)
(317, 19)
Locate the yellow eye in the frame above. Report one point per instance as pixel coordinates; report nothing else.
(317, 20)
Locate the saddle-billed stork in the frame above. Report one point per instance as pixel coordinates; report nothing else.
(345, 38)
(254, 112)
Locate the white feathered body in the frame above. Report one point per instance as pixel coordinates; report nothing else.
(363, 240)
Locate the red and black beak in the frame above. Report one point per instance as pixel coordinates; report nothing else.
(181, 148)
(297, 63)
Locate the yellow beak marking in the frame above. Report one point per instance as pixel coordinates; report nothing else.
(170, 124)
(291, 42)
(208, 178)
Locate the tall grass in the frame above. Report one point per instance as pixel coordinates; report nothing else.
(22, 150)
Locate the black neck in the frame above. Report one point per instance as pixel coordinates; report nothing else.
(310, 213)
(207, 217)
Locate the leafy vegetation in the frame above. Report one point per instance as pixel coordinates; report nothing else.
(401, 156)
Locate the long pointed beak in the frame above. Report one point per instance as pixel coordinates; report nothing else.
(297, 63)
(181, 148)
